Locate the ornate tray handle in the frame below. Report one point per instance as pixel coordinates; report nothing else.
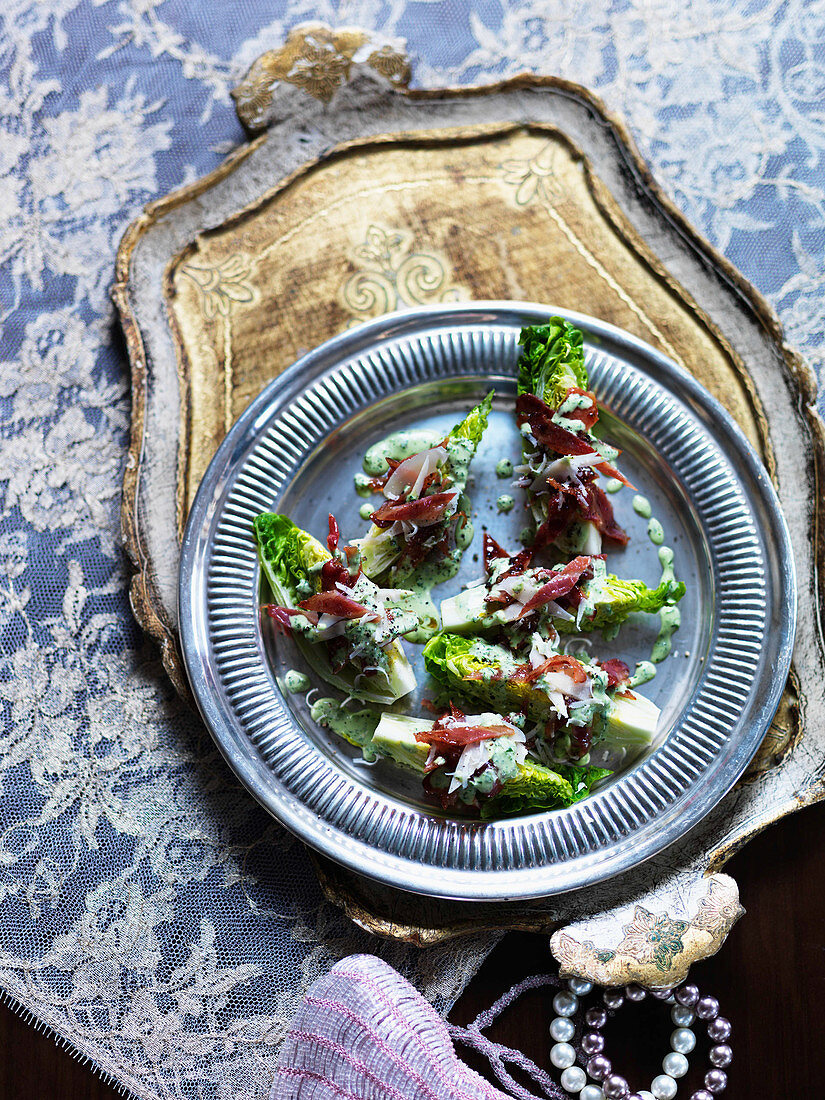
(317, 60)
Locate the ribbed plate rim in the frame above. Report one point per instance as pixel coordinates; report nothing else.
(237, 696)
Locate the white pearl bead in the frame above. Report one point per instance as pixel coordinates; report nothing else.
(591, 1092)
(580, 986)
(573, 1079)
(681, 1016)
(663, 1087)
(565, 1004)
(683, 1040)
(645, 1095)
(676, 1065)
(562, 1029)
(562, 1055)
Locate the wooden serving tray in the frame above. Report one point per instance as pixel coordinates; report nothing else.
(355, 196)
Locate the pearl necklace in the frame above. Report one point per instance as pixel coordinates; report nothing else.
(597, 1081)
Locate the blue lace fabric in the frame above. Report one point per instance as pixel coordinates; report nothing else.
(152, 915)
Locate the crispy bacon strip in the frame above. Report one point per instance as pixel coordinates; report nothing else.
(617, 671)
(423, 512)
(335, 603)
(552, 437)
(334, 534)
(491, 550)
(561, 512)
(283, 615)
(588, 416)
(461, 736)
(518, 562)
(333, 571)
(600, 511)
(560, 662)
(558, 585)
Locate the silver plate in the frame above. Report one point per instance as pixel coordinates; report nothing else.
(296, 449)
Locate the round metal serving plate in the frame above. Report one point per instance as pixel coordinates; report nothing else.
(296, 449)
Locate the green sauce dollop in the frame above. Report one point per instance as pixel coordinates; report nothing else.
(296, 681)
(355, 726)
(398, 446)
(655, 532)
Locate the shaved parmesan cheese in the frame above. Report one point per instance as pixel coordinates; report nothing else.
(479, 755)
(413, 472)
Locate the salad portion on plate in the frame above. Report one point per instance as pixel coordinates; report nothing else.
(520, 716)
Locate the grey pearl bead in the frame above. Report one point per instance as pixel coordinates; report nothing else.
(720, 1056)
(701, 1094)
(716, 1080)
(707, 1008)
(615, 1087)
(661, 994)
(635, 993)
(595, 1017)
(599, 1067)
(593, 1043)
(719, 1030)
(613, 998)
(687, 995)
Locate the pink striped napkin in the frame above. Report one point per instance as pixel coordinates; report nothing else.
(364, 1033)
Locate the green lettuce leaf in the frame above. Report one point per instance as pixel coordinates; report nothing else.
(287, 555)
(582, 778)
(289, 559)
(533, 790)
(616, 599)
(552, 360)
(450, 661)
(382, 553)
(474, 424)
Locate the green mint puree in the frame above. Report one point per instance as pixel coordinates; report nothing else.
(666, 562)
(641, 506)
(296, 682)
(363, 486)
(504, 468)
(355, 726)
(505, 503)
(464, 532)
(612, 485)
(398, 446)
(645, 671)
(655, 532)
(366, 510)
(526, 536)
(670, 616)
(419, 600)
(420, 581)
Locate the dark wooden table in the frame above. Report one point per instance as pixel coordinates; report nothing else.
(769, 978)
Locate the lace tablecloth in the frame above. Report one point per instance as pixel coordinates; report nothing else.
(152, 915)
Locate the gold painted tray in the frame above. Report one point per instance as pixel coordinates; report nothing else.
(358, 197)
